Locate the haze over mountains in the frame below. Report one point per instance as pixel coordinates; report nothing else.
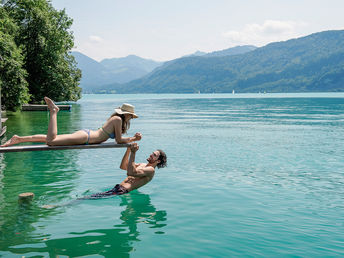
(311, 63)
(115, 70)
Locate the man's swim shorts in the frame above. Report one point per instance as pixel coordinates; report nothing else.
(117, 190)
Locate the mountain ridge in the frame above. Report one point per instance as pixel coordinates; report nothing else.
(111, 70)
(97, 76)
(311, 63)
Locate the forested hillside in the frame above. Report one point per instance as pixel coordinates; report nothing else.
(311, 63)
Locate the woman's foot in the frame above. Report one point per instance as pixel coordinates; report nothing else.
(49, 206)
(51, 105)
(14, 140)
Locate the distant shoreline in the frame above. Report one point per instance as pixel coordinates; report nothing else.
(227, 95)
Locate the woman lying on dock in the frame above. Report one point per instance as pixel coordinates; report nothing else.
(114, 127)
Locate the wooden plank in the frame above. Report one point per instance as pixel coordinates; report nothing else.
(32, 107)
(44, 147)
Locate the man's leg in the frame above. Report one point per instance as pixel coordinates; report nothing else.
(117, 190)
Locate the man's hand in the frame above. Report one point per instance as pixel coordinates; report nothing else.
(138, 136)
(134, 147)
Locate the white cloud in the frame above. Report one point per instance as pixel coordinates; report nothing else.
(269, 31)
(95, 38)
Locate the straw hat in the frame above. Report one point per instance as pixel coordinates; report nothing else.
(126, 109)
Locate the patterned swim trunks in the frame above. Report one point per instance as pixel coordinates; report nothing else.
(117, 190)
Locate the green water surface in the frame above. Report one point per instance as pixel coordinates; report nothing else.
(258, 175)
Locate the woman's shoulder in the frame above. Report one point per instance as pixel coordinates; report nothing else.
(115, 118)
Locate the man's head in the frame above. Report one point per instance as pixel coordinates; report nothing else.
(158, 158)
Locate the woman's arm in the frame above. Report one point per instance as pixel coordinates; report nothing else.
(118, 132)
(136, 137)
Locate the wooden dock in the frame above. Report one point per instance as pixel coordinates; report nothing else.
(43, 147)
(33, 107)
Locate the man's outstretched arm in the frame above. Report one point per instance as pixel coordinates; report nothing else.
(125, 160)
(133, 169)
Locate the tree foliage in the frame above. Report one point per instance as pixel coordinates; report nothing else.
(14, 91)
(45, 38)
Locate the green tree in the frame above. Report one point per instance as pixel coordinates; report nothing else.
(14, 90)
(47, 41)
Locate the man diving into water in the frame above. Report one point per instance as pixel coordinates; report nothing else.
(138, 174)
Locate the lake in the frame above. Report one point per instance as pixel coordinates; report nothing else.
(257, 175)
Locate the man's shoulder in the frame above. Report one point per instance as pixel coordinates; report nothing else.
(146, 167)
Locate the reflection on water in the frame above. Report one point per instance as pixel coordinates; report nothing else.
(49, 175)
(140, 210)
(112, 242)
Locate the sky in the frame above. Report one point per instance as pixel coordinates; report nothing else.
(167, 29)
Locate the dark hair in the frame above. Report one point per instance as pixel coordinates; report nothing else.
(163, 159)
(125, 125)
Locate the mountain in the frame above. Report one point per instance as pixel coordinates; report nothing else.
(226, 52)
(116, 70)
(93, 73)
(110, 88)
(197, 53)
(232, 51)
(311, 63)
(130, 62)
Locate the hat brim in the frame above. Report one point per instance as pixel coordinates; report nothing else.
(121, 112)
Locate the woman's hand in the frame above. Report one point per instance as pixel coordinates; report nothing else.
(138, 136)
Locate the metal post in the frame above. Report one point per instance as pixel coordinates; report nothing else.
(0, 110)
(2, 128)
(0, 97)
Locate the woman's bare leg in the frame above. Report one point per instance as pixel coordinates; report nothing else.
(79, 137)
(52, 128)
(20, 139)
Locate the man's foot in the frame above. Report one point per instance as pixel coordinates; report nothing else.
(12, 141)
(51, 105)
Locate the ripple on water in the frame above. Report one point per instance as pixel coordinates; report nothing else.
(246, 176)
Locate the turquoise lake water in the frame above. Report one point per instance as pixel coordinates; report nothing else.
(259, 175)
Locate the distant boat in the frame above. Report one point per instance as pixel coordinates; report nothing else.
(233, 92)
(199, 92)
